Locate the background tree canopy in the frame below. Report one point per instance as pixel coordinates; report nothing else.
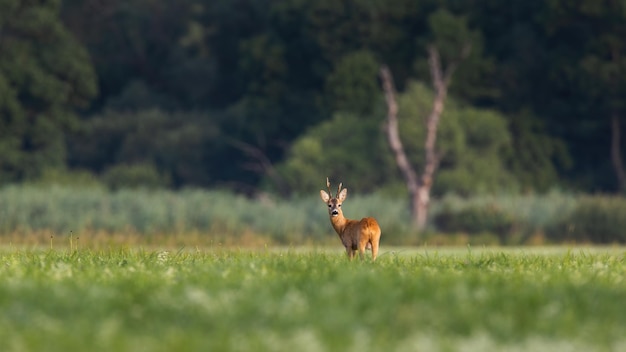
(474, 143)
(45, 75)
(264, 95)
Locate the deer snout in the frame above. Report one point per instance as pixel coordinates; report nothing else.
(334, 212)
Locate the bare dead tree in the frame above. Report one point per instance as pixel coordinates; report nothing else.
(419, 187)
(393, 137)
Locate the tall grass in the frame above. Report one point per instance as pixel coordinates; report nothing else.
(537, 211)
(62, 210)
(512, 218)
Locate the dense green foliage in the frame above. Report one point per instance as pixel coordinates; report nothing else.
(45, 74)
(176, 146)
(474, 144)
(132, 299)
(221, 93)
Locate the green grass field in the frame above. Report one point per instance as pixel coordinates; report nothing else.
(420, 299)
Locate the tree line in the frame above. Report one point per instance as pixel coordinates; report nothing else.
(276, 95)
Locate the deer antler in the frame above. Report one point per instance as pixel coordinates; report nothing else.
(339, 189)
(328, 186)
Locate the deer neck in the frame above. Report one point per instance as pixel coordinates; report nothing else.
(339, 223)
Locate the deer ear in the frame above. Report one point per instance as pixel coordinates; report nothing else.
(342, 195)
(325, 196)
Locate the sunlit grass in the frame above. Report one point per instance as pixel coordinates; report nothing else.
(129, 299)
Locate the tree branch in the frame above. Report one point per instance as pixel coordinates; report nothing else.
(440, 82)
(260, 163)
(393, 136)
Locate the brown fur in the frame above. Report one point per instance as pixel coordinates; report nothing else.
(354, 234)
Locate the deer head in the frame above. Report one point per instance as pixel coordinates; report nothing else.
(334, 203)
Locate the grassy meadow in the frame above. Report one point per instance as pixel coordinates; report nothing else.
(193, 270)
(307, 299)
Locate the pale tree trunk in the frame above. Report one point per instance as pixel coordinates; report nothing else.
(419, 187)
(616, 154)
(410, 177)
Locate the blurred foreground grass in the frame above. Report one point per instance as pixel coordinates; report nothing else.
(130, 299)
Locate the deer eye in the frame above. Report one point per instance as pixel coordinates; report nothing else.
(339, 205)
(329, 205)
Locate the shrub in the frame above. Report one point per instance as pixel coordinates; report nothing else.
(186, 146)
(134, 176)
(65, 177)
(594, 219)
(475, 220)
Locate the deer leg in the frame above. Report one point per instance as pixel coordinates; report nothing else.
(364, 243)
(374, 249)
(349, 252)
(362, 250)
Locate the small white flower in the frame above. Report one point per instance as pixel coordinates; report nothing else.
(163, 256)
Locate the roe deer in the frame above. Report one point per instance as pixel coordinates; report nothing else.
(354, 234)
